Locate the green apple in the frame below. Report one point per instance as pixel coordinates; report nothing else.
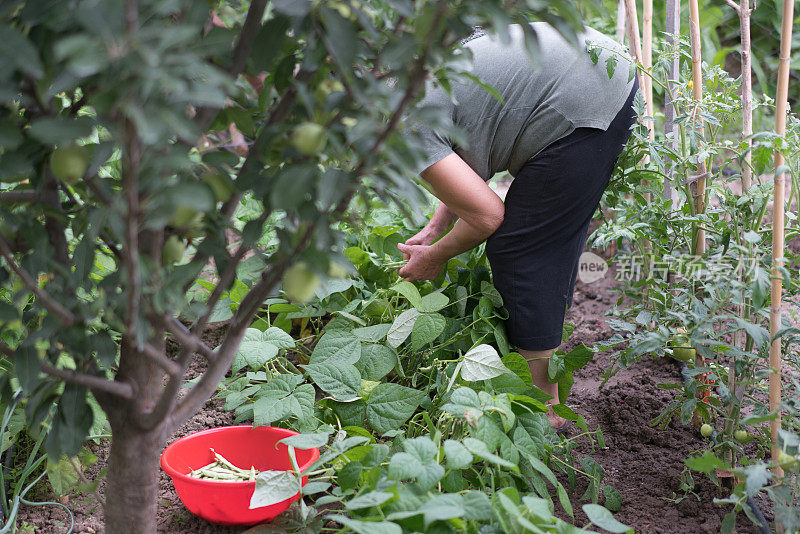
(300, 283)
(185, 217)
(69, 163)
(173, 250)
(309, 138)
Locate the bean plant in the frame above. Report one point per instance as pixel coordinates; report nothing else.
(435, 423)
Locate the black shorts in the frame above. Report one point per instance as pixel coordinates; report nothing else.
(534, 254)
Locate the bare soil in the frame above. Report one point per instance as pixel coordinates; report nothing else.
(643, 463)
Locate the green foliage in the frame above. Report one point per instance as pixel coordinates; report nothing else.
(719, 300)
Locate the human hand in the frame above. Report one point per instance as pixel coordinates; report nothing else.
(426, 236)
(423, 262)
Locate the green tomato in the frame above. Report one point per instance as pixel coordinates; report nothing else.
(69, 163)
(741, 436)
(300, 283)
(679, 340)
(221, 185)
(309, 138)
(706, 430)
(683, 354)
(787, 461)
(173, 250)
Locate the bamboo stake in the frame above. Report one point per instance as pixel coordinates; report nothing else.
(647, 58)
(778, 209)
(632, 29)
(747, 92)
(645, 81)
(673, 28)
(697, 91)
(620, 29)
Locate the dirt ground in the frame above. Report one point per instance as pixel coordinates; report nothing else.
(644, 464)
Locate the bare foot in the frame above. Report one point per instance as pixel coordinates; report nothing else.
(555, 420)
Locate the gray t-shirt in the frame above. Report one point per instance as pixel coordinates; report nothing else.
(543, 101)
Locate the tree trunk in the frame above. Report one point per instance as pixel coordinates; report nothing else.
(132, 480)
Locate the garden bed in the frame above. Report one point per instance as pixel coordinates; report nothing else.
(644, 464)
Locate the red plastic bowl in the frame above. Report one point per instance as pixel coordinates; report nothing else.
(228, 503)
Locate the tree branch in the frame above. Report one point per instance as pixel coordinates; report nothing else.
(94, 383)
(187, 339)
(734, 5)
(160, 359)
(252, 23)
(67, 317)
(21, 195)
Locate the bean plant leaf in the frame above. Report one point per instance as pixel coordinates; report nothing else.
(390, 405)
(479, 449)
(368, 500)
(417, 462)
(274, 405)
(401, 327)
(372, 334)
(433, 302)
(273, 487)
(307, 441)
(341, 380)
(427, 328)
(442, 508)
(339, 346)
(409, 291)
(367, 527)
(613, 500)
(482, 363)
(458, 457)
(477, 506)
(461, 400)
(488, 290)
(601, 517)
(258, 347)
(376, 361)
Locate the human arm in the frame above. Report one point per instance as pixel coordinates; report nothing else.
(440, 221)
(479, 210)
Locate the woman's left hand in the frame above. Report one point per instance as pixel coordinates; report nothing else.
(423, 262)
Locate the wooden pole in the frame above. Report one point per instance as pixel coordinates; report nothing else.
(699, 187)
(673, 28)
(778, 213)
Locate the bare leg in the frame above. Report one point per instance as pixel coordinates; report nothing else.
(538, 361)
